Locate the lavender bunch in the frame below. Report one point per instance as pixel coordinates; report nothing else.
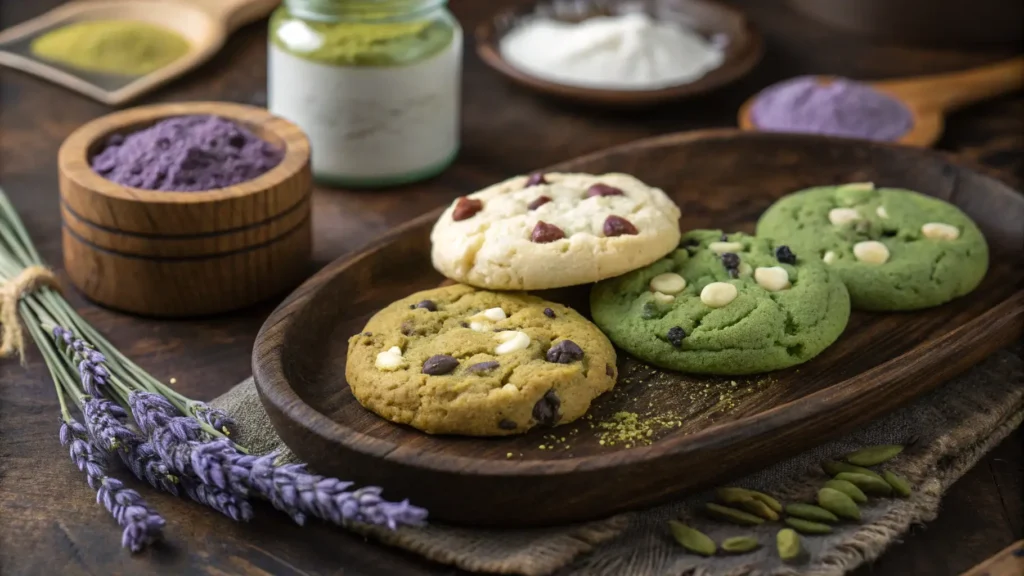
(142, 526)
(106, 424)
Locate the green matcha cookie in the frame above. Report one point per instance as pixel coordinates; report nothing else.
(724, 305)
(457, 360)
(895, 249)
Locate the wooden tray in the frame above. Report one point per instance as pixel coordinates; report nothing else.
(728, 426)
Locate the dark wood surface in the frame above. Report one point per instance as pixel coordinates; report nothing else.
(881, 361)
(48, 521)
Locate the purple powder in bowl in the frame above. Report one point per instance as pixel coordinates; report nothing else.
(839, 108)
(186, 154)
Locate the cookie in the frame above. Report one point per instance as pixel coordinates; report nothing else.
(457, 360)
(724, 304)
(554, 230)
(895, 249)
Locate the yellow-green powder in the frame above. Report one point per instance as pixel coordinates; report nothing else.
(124, 47)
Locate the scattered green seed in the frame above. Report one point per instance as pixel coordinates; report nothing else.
(692, 539)
(811, 512)
(873, 455)
(838, 503)
(740, 544)
(733, 515)
(832, 468)
(899, 484)
(807, 526)
(788, 543)
(849, 489)
(742, 498)
(867, 484)
(772, 503)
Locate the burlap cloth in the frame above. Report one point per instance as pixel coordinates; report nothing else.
(949, 430)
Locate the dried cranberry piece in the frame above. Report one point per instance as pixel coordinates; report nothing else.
(608, 370)
(483, 366)
(603, 190)
(565, 352)
(785, 255)
(466, 208)
(440, 364)
(507, 424)
(538, 202)
(536, 179)
(675, 336)
(544, 233)
(618, 226)
(549, 312)
(730, 260)
(428, 305)
(545, 411)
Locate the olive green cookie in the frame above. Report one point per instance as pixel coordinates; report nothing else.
(724, 304)
(457, 360)
(895, 249)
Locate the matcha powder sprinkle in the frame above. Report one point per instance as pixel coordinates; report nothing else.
(123, 47)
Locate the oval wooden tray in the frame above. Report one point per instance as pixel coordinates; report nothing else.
(728, 426)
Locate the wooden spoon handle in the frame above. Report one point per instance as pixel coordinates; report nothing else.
(944, 92)
(237, 13)
(1008, 562)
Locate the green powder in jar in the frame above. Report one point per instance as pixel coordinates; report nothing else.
(123, 47)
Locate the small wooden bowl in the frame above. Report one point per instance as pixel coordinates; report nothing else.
(185, 253)
(744, 46)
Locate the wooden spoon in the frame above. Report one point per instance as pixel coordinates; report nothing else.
(930, 98)
(206, 24)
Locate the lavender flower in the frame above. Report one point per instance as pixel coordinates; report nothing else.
(151, 411)
(238, 509)
(142, 526)
(215, 417)
(91, 369)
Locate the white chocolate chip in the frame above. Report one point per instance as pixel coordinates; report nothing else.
(478, 326)
(940, 231)
(668, 283)
(390, 359)
(718, 294)
(840, 216)
(856, 186)
(829, 257)
(510, 388)
(723, 247)
(494, 314)
(479, 321)
(772, 279)
(871, 252)
(511, 341)
(881, 212)
(664, 298)
(744, 270)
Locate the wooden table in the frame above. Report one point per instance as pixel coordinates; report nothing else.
(49, 523)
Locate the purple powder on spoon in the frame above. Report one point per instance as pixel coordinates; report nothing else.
(186, 154)
(841, 107)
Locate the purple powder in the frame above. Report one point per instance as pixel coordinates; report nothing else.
(840, 108)
(186, 154)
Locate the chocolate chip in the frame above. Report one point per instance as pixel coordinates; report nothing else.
(427, 305)
(603, 190)
(367, 334)
(535, 179)
(608, 370)
(544, 233)
(483, 366)
(440, 364)
(549, 312)
(730, 260)
(565, 352)
(538, 202)
(464, 324)
(617, 226)
(675, 336)
(507, 424)
(466, 208)
(545, 411)
(785, 255)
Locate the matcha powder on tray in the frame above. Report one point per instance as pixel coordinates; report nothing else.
(124, 47)
(186, 154)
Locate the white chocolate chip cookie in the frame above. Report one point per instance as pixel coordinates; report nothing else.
(554, 230)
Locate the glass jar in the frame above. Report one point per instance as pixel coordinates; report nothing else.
(375, 84)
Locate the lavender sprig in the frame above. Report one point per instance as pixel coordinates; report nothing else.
(91, 369)
(215, 417)
(142, 526)
(106, 424)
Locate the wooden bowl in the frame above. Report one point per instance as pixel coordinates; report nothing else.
(726, 426)
(743, 51)
(185, 253)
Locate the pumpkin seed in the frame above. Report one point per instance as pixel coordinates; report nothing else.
(732, 515)
(873, 455)
(867, 484)
(849, 489)
(788, 543)
(899, 484)
(772, 503)
(808, 527)
(838, 503)
(832, 468)
(811, 512)
(733, 495)
(692, 539)
(740, 544)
